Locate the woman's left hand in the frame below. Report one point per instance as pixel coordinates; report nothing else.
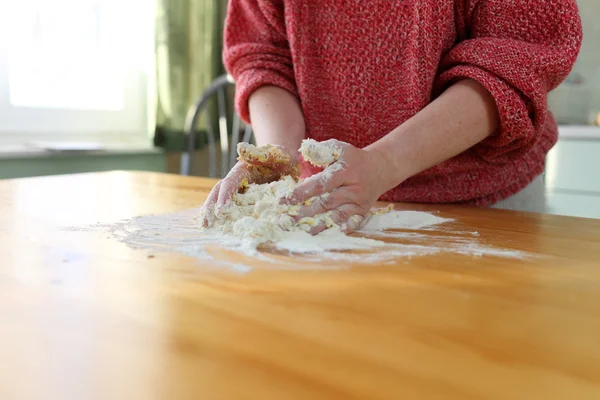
(348, 188)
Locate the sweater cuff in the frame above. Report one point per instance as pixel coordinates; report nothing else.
(516, 130)
(251, 80)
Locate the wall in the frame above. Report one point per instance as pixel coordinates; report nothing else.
(572, 183)
(576, 103)
(20, 167)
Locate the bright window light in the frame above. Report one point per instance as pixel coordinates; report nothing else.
(82, 64)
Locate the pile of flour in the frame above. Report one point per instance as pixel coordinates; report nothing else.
(257, 213)
(256, 217)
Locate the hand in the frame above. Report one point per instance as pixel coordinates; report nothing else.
(256, 165)
(348, 188)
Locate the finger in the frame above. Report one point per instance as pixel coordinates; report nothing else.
(212, 196)
(353, 223)
(324, 182)
(209, 204)
(230, 186)
(343, 213)
(312, 227)
(324, 203)
(315, 230)
(341, 216)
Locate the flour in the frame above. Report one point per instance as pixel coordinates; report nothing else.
(403, 220)
(332, 249)
(258, 215)
(258, 225)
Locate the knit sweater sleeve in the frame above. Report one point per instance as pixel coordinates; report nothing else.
(256, 51)
(518, 50)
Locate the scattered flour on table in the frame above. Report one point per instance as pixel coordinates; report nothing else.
(256, 225)
(179, 233)
(403, 220)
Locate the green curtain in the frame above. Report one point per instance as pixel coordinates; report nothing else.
(189, 35)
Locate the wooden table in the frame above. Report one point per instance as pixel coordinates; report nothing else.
(82, 316)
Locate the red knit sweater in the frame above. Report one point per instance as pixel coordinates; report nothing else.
(362, 68)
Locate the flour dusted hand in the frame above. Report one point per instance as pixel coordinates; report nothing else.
(257, 165)
(347, 189)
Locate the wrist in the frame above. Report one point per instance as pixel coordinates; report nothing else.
(277, 119)
(390, 174)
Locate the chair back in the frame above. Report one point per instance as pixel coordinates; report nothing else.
(227, 143)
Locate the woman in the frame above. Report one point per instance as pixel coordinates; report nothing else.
(440, 101)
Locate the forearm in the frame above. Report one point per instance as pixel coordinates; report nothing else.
(277, 118)
(461, 117)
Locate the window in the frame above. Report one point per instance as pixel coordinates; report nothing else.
(75, 67)
(577, 101)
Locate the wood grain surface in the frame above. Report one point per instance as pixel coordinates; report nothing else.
(83, 316)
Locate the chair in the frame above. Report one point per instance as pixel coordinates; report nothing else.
(217, 88)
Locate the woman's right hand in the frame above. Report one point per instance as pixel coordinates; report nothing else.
(256, 165)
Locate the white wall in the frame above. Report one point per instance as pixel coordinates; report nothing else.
(580, 104)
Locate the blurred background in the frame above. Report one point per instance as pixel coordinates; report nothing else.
(97, 85)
